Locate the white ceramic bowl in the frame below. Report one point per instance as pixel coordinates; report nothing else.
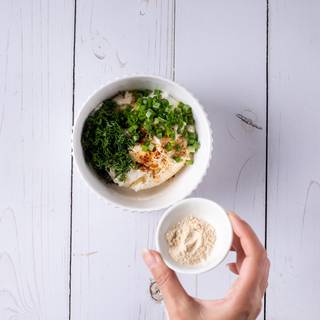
(169, 192)
(208, 211)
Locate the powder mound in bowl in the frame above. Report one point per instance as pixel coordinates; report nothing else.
(190, 241)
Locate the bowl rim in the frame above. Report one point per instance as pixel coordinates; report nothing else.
(204, 268)
(75, 151)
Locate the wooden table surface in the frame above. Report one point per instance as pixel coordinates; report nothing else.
(66, 254)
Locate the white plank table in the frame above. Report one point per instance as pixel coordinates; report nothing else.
(294, 160)
(65, 253)
(35, 126)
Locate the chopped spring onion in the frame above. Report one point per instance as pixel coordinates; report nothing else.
(177, 159)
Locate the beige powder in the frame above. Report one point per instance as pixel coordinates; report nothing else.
(190, 241)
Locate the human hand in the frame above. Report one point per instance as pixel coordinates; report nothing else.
(243, 300)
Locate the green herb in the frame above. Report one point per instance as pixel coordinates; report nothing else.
(157, 92)
(109, 133)
(192, 149)
(145, 148)
(149, 113)
(106, 143)
(177, 159)
(140, 93)
(158, 117)
(169, 146)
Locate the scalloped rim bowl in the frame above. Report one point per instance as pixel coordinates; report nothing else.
(175, 188)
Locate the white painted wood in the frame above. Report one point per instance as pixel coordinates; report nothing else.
(220, 56)
(109, 280)
(294, 160)
(35, 126)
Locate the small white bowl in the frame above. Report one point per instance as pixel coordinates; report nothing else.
(208, 211)
(175, 188)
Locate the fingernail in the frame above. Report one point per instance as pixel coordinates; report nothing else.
(233, 214)
(149, 259)
(144, 251)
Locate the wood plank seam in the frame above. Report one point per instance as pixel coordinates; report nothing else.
(173, 64)
(71, 156)
(267, 131)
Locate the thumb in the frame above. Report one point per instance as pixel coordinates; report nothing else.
(167, 281)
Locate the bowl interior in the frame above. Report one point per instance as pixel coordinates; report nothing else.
(173, 190)
(203, 209)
